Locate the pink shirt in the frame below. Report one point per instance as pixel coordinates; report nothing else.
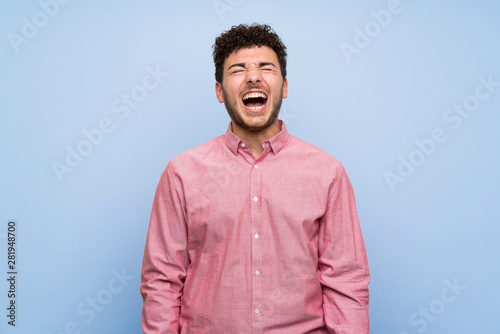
(267, 245)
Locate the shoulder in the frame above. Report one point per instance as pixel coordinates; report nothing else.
(190, 159)
(315, 155)
(322, 166)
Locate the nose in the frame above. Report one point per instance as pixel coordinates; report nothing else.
(253, 75)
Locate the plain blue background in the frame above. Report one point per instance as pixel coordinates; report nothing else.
(367, 108)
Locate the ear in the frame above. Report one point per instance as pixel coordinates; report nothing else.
(285, 88)
(218, 92)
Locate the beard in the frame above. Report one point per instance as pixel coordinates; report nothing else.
(236, 117)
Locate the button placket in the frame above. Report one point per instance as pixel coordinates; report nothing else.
(257, 246)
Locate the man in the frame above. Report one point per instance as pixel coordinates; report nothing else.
(254, 231)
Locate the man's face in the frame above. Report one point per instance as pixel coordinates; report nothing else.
(252, 88)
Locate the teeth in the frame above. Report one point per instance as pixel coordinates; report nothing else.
(255, 108)
(254, 95)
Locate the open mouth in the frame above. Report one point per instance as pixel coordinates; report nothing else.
(255, 101)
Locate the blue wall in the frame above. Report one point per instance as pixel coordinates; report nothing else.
(97, 98)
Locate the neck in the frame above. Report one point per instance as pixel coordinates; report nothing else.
(255, 139)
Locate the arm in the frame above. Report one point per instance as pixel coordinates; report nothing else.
(165, 258)
(343, 265)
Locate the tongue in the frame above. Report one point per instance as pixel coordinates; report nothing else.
(256, 104)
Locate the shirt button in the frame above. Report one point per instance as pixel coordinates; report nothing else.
(257, 272)
(255, 166)
(256, 235)
(255, 199)
(242, 144)
(257, 311)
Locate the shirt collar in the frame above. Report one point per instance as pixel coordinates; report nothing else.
(276, 143)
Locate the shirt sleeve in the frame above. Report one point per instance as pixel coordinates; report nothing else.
(165, 258)
(343, 265)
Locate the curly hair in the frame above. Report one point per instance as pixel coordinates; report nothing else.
(244, 36)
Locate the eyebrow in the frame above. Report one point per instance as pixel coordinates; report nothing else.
(261, 64)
